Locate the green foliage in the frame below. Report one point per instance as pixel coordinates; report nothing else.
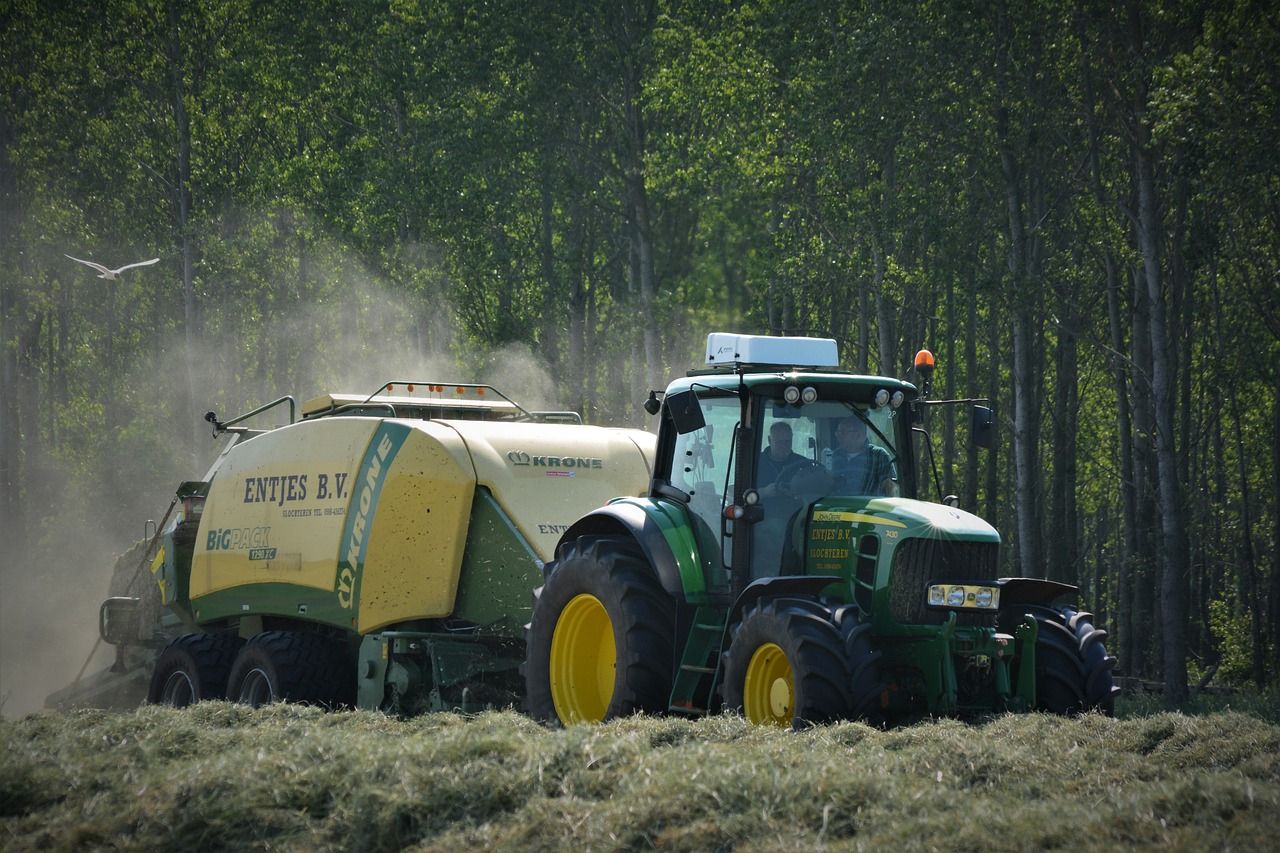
(342, 192)
(1231, 628)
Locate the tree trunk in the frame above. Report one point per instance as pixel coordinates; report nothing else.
(949, 392)
(970, 499)
(1022, 283)
(864, 327)
(886, 327)
(1273, 608)
(1173, 546)
(1064, 546)
(994, 386)
(1146, 629)
(182, 211)
(12, 523)
(551, 287)
(634, 26)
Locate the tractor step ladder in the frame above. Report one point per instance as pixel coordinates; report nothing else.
(698, 664)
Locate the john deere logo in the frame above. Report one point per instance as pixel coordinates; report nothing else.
(520, 458)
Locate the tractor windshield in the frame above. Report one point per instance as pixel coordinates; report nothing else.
(828, 447)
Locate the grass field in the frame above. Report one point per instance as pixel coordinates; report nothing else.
(222, 776)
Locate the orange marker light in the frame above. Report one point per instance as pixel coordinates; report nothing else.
(924, 360)
(410, 388)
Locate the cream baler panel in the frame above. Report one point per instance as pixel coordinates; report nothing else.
(276, 507)
(419, 530)
(546, 476)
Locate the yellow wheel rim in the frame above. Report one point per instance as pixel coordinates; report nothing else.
(768, 691)
(583, 661)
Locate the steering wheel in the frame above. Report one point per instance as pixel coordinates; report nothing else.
(800, 468)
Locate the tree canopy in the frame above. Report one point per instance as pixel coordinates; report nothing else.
(1075, 203)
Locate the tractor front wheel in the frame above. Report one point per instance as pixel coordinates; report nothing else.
(1073, 669)
(867, 690)
(599, 644)
(786, 665)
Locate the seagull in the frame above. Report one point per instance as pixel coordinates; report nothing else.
(109, 274)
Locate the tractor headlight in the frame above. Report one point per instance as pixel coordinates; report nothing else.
(968, 596)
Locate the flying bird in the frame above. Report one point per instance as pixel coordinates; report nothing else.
(103, 272)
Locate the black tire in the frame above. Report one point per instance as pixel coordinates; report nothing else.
(1073, 669)
(611, 595)
(193, 668)
(867, 690)
(808, 684)
(284, 666)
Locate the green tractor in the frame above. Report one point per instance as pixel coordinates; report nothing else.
(785, 565)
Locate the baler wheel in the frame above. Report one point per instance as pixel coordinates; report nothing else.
(599, 644)
(1073, 669)
(786, 665)
(194, 667)
(286, 666)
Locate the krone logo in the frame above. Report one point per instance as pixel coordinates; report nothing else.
(520, 457)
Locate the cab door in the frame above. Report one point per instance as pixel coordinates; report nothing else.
(703, 467)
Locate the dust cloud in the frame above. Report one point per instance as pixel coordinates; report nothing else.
(343, 330)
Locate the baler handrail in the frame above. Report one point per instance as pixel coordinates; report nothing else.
(337, 410)
(293, 408)
(475, 385)
(557, 417)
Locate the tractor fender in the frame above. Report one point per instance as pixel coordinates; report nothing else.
(649, 527)
(781, 587)
(1016, 591)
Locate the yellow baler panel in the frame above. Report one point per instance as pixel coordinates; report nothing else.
(419, 531)
(546, 476)
(276, 507)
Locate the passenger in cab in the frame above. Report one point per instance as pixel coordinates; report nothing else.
(860, 467)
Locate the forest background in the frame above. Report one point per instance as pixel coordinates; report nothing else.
(1074, 203)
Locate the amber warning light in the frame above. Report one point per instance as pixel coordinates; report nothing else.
(924, 363)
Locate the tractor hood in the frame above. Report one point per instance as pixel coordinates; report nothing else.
(908, 518)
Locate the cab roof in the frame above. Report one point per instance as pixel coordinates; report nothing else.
(757, 376)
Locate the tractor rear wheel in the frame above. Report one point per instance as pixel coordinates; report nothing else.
(786, 665)
(286, 666)
(599, 643)
(1073, 669)
(193, 668)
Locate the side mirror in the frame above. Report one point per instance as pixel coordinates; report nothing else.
(686, 412)
(982, 427)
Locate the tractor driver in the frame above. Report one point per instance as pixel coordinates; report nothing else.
(860, 467)
(776, 458)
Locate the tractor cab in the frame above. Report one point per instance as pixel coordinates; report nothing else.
(769, 431)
